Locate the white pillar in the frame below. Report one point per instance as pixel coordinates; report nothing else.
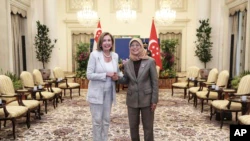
(217, 23)
(50, 20)
(203, 9)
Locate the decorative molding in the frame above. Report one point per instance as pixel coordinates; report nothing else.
(233, 3)
(229, 1)
(178, 5)
(177, 23)
(74, 24)
(73, 6)
(22, 4)
(136, 6)
(25, 2)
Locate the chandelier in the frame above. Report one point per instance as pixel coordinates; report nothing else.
(165, 15)
(87, 17)
(126, 13)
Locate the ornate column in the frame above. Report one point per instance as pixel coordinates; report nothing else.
(203, 9)
(50, 19)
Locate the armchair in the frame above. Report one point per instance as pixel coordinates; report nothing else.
(63, 81)
(27, 80)
(212, 95)
(191, 72)
(12, 99)
(12, 113)
(223, 106)
(10, 109)
(38, 79)
(212, 77)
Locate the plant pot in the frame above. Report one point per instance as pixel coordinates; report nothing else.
(204, 73)
(45, 73)
(83, 83)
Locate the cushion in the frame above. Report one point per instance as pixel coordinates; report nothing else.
(46, 95)
(222, 105)
(31, 104)
(14, 111)
(202, 94)
(195, 89)
(245, 119)
(57, 90)
(181, 84)
(71, 85)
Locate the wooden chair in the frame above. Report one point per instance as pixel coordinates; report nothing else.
(38, 79)
(222, 82)
(63, 81)
(9, 112)
(223, 106)
(28, 82)
(211, 79)
(13, 99)
(191, 72)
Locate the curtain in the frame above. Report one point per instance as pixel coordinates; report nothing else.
(243, 43)
(78, 37)
(239, 25)
(235, 33)
(17, 30)
(178, 36)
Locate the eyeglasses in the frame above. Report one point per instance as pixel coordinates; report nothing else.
(135, 45)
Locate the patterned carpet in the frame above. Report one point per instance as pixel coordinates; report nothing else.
(175, 120)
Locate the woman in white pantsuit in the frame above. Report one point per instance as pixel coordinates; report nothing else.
(102, 66)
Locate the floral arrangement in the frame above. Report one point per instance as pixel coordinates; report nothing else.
(168, 49)
(82, 57)
(121, 63)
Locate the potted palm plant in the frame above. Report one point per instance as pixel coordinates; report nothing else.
(43, 46)
(204, 45)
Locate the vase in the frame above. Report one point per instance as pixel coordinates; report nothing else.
(45, 73)
(83, 82)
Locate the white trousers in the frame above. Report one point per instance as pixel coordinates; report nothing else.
(101, 117)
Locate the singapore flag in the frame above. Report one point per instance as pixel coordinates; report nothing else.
(153, 46)
(98, 32)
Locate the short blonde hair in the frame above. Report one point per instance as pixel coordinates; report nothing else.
(100, 41)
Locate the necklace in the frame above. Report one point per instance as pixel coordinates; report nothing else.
(107, 56)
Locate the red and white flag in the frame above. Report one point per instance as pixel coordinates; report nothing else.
(98, 32)
(153, 46)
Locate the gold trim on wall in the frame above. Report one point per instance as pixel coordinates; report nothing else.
(136, 6)
(178, 5)
(72, 6)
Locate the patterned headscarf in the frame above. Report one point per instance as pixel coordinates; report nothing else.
(142, 52)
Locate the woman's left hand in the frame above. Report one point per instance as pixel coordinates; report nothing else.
(153, 107)
(115, 77)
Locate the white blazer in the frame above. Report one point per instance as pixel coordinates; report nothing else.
(96, 73)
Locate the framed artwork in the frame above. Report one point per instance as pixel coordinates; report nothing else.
(178, 5)
(73, 6)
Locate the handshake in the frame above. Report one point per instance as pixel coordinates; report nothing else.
(114, 76)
